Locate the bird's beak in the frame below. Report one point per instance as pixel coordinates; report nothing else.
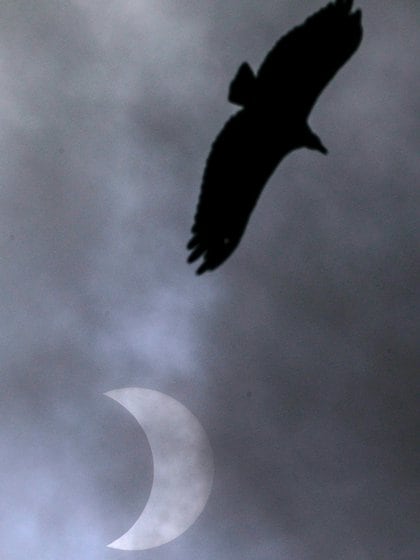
(319, 146)
(313, 142)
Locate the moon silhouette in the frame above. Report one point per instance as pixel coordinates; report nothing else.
(182, 468)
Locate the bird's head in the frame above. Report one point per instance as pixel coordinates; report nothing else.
(313, 142)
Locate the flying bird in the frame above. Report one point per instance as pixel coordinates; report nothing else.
(273, 121)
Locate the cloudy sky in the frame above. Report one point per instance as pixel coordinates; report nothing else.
(298, 356)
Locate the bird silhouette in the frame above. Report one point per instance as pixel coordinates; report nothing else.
(275, 105)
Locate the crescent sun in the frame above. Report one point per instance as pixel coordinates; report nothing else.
(183, 468)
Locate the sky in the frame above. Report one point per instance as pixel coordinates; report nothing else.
(298, 356)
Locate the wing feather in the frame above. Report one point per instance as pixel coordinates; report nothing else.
(241, 160)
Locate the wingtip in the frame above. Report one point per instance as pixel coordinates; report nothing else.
(345, 4)
(357, 15)
(357, 22)
(191, 244)
(201, 269)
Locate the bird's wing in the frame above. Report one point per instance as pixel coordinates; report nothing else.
(302, 62)
(236, 172)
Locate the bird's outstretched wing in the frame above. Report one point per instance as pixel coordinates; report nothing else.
(237, 169)
(303, 61)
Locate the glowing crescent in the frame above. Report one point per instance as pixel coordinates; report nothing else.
(182, 468)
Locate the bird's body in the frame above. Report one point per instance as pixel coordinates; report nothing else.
(272, 122)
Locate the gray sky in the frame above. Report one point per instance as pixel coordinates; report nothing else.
(298, 356)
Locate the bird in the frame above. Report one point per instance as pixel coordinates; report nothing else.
(275, 103)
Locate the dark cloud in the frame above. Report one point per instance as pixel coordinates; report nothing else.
(299, 356)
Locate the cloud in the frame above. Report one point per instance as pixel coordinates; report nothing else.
(299, 356)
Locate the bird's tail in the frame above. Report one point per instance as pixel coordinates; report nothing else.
(242, 86)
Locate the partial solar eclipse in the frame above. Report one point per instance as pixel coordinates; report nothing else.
(182, 468)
